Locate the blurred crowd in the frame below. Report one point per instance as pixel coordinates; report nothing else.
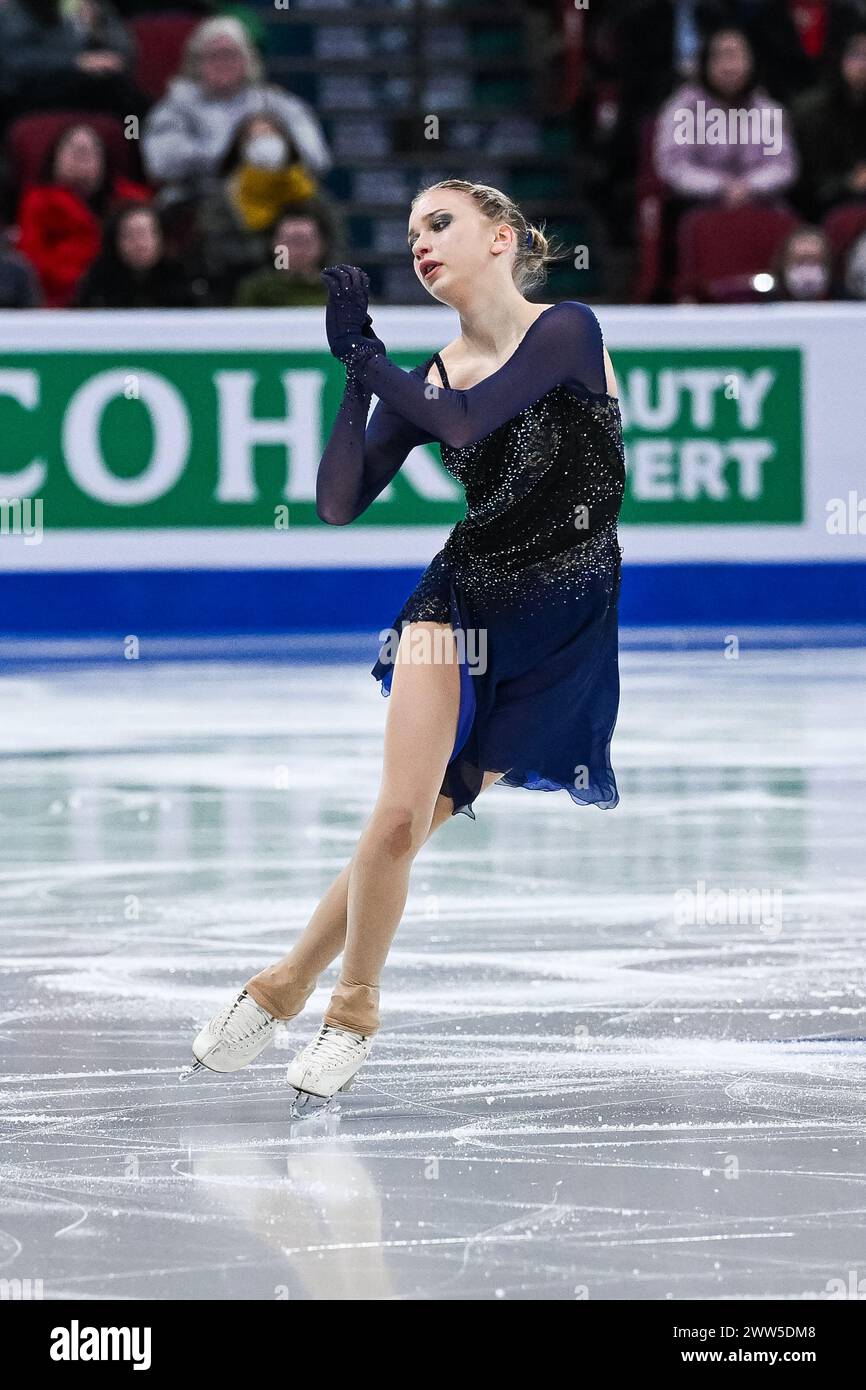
(661, 86)
(149, 161)
(208, 196)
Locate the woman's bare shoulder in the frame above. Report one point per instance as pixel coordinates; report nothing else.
(455, 356)
(611, 384)
(451, 357)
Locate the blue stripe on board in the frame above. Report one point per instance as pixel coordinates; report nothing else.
(188, 602)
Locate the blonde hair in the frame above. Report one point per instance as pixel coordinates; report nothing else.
(221, 27)
(534, 251)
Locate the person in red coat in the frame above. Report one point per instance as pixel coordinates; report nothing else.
(61, 218)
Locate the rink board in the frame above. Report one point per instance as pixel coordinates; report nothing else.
(158, 471)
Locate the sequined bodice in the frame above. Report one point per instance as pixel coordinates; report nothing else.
(548, 481)
(536, 444)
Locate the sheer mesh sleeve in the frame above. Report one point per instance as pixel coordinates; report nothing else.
(563, 345)
(361, 458)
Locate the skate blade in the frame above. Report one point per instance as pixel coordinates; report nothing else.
(191, 1070)
(306, 1103)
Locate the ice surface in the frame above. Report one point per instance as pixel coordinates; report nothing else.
(575, 1092)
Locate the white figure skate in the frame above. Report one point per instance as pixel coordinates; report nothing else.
(233, 1037)
(326, 1065)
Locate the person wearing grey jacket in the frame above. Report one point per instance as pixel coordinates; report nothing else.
(187, 134)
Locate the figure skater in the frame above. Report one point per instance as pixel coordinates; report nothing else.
(501, 666)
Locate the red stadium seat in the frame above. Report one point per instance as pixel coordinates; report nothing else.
(721, 249)
(843, 225)
(160, 40)
(31, 137)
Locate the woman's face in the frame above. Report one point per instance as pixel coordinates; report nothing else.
(260, 125)
(222, 66)
(806, 248)
(452, 241)
(79, 162)
(264, 145)
(730, 63)
(139, 240)
(807, 272)
(302, 241)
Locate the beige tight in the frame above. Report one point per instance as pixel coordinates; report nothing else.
(361, 910)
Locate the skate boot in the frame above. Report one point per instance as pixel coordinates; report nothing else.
(326, 1065)
(233, 1037)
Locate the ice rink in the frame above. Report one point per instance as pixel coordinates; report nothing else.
(622, 1055)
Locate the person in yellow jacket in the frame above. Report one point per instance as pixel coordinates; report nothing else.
(262, 176)
(268, 175)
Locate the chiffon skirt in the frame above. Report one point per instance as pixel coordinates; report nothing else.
(539, 686)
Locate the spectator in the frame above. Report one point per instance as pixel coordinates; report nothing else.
(855, 269)
(701, 166)
(831, 129)
(803, 269)
(61, 217)
(132, 270)
(793, 39)
(18, 285)
(302, 244)
(699, 147)
(187, 134)
(261, 175)
(652, 46)
(52, 57)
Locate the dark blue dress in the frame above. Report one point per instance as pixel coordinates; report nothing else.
(529, 579)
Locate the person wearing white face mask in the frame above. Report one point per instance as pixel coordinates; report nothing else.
(264, 173)
(186, 134)
(266, 150)
(804, 267)
(261, 176)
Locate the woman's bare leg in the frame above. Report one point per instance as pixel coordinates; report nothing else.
(419, 738)
(283, 988)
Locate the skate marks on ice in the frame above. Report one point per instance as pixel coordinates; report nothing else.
(586, 1084)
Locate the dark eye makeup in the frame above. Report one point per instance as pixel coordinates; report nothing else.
(436, 225)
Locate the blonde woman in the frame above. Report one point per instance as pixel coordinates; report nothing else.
(221, 84)
(502, 662)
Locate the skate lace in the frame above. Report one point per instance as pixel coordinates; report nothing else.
(331, 1046)
(237, 1028)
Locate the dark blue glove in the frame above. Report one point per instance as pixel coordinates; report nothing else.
(347, 322)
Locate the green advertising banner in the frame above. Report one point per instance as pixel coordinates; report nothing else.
(211, 439)
(713, 435)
